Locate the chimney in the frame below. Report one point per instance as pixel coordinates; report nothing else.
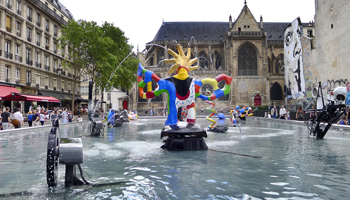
(261, 23)
(230, 23)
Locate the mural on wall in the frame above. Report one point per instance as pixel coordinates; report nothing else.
(310, 80)
(294, 71)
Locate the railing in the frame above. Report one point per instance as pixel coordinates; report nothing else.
(247, 72)
(29, 39)
(247, 33)
(18, 58)
(17, 82)
(9, 6)
(69, 75)
(38, 43)
(29, 18)
(18, 34)
(38, 65)
(8, 55)
(47, 67)
(49, 11)
(28, 83)
(29, 62)
(7, 80)
(54, 70)
(63, 73)
(8, 29)
(19, 12)
(38, 23)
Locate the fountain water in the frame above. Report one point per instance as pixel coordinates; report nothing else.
(127, 163)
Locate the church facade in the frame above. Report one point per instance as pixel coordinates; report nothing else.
(250, 51)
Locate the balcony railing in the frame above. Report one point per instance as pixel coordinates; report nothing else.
(47, 67)
(29, 62)
(18, 82)
(38, 43)
(28, 83)
(29, 39)
(38, 65)
(18, 34)
(54, 70)
(29, 18)
(19, 12)
(49, 11)
(69, 75)
(8, 29)
(38, 23)
(63, 73)
(18, 58)
(9, 6)
(7, 80)
(8, 55)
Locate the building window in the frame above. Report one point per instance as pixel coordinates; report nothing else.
(276, 92)
(160, 57)
(29, 11)
(55, 30)
(55, 47)
(9, 5)
(38, 19)
(28, 77)
(37, 58)
(7, 73)
(18, 28)
(47, 25)
(55, 64)
(29, 54)
(8, 24)
(29, 34)
(217, 61)
(8, 54)
(17, 73)
(18, 48)
(203, 60)
(47, 60)
(38, 36)
(279, 64)
(247, 61)
(309, 33)
(19, 7)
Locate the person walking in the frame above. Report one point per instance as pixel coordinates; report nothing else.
(274, 112)
(18, 120)
(5, 117)
(283, 113)
(64, 116)
(42, 118)
(70, 116)
(299, 115)
(30, 119)
(36, 118)
(31, 107)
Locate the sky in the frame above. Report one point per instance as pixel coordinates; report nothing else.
(141, 19)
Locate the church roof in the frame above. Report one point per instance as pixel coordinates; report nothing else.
(185, 30)
(211, 30)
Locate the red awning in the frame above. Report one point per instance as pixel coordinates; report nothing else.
(24, 97)
(6, 90)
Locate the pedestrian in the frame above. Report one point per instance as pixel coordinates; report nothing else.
(53, 115)
(269, 115)
(5, 118)
(3, 109)
(348, 116)
(70, 117)
(79, 119)
(36, 118)
(299, 115)
(64, 116)
(343, 121)
(31, 107)
(283, 113)
(39, 109)
(30, 119)
(313, 113)
(18, 120)
(42, 118)
(274, 112)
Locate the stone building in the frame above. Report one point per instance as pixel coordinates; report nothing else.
(30, 59)
(248, 50)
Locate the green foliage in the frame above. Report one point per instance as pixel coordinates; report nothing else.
(98, 51)
(263, 107)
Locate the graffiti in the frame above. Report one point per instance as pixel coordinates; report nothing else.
(294, 71)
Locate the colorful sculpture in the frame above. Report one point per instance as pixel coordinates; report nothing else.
(233, 116)
(132, 116)
(213, 112)
(182, 90)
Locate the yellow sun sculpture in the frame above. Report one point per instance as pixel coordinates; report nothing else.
(183, 63)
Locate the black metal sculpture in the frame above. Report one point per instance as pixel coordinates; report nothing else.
(329, 114)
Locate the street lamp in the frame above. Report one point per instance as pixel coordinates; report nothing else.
(271, 93)
(59, 70)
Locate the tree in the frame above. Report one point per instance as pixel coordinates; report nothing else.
(97, 51)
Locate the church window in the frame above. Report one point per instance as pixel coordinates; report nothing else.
(160, 57)
(279, 64)
(203, 60)
(276, 92)
(217, 61)
(247, 61)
